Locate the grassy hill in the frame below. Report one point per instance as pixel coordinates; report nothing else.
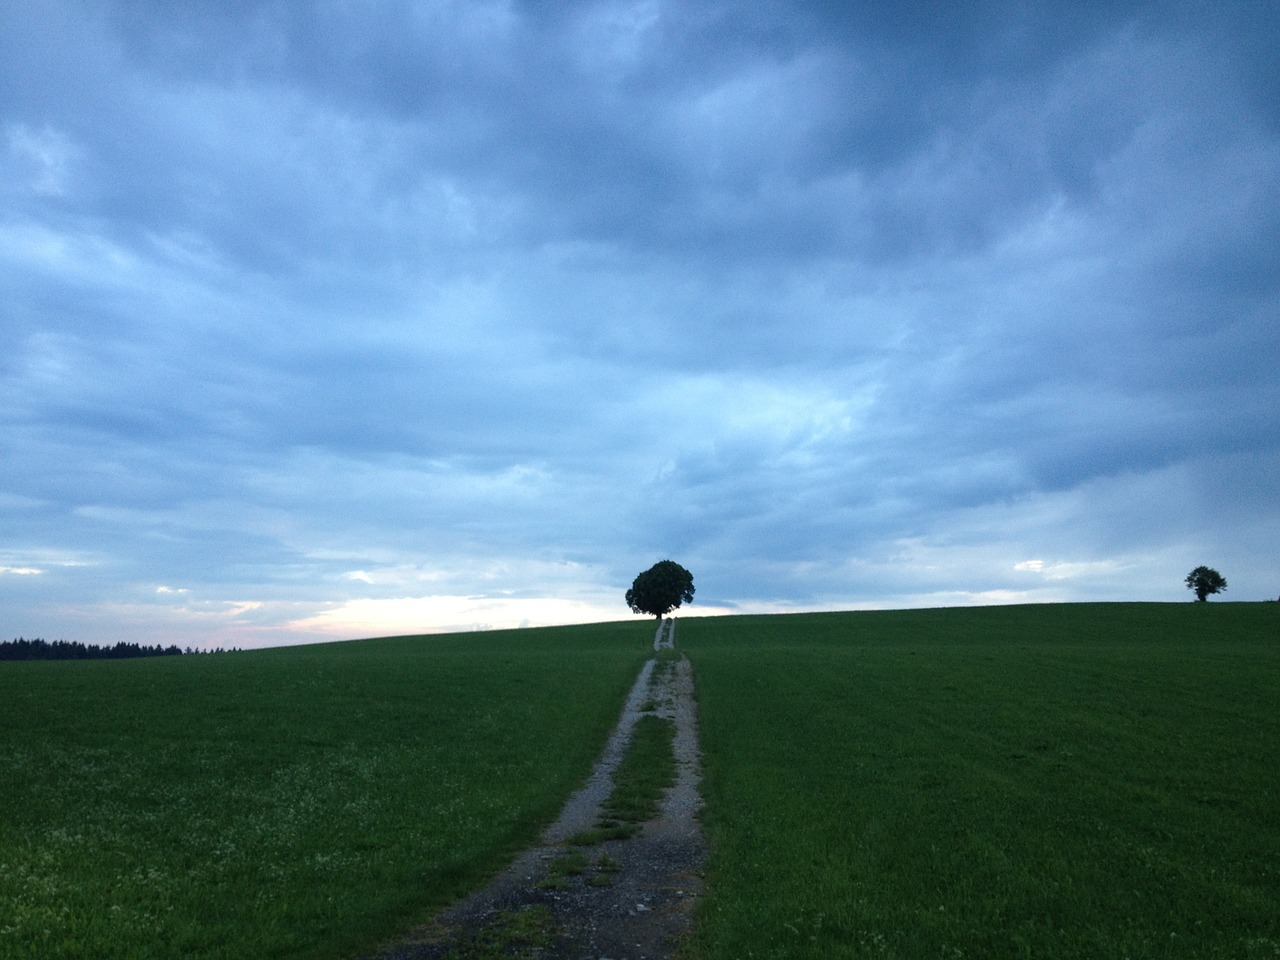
(1048, 781)
(300, 802)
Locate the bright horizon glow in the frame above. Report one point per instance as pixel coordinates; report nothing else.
(447, 614)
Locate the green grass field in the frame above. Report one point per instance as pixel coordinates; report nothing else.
(294, 803)
(1050, 781)
(1047, 781)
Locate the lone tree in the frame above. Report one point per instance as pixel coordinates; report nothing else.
(1204, 581)
(661, 589)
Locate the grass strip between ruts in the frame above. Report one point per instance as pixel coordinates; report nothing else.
(645, 772)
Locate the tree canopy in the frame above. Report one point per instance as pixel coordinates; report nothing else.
(1204, 581)
(661, 589)
(21, 649)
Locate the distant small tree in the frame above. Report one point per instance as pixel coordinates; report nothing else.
(1204, 581)
(661, 589)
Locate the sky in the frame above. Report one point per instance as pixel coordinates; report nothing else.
(325, 320)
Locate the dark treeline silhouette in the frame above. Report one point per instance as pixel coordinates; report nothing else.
(21, 649)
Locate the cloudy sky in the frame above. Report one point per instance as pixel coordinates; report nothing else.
(337, 319)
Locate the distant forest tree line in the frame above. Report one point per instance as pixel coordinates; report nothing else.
(37, 649)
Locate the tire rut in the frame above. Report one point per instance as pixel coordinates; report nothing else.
(633, 898)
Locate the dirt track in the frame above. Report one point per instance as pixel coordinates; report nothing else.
(638, 906)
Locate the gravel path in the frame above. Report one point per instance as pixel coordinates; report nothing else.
(635, 908)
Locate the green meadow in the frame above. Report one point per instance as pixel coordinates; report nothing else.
(1043, 781)
(302, 802)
